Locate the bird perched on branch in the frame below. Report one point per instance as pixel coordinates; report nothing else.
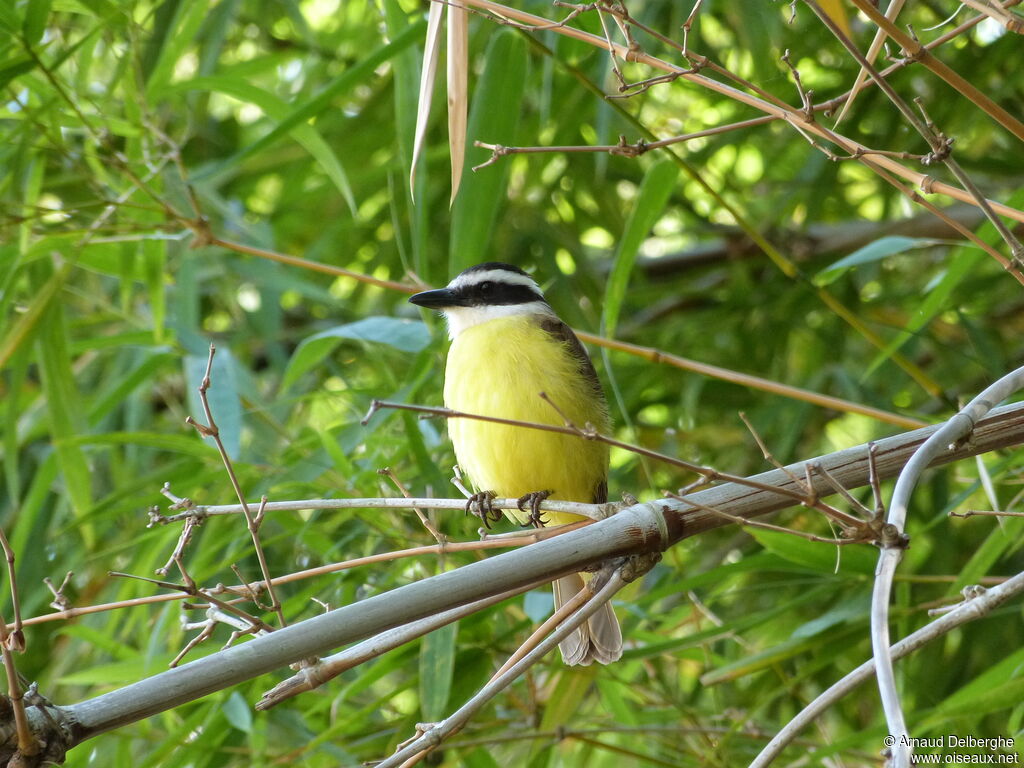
(508, 347)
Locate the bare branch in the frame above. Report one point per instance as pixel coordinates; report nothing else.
(638, 528)
(892, 545)
(979, 607)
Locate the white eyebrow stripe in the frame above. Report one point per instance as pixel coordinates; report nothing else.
(495, 276)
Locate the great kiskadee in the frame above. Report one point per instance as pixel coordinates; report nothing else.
(508, 346)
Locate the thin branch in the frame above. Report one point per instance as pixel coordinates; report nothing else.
(1011, 22)
(13, 639)
(709, 474)
(439, 537)
(985, 512)
(747, 522)
(563, 613)
(920, 53)
(313, 266)
(940, 144)
(891, 12)
(314, 675)
(190, 589)
(435, 735)
(593, 511)
(979, 607)
(893, 544)
(211, 430)
(639, 528)
(60, 601)
(768, 106)
(505, 541)
(746, 380)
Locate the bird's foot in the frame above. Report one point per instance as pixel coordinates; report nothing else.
(533, 499)
(479, 505)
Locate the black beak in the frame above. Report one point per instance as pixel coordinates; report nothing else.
(438, 299)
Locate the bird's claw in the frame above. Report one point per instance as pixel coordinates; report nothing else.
(479, 505)
(533, 499)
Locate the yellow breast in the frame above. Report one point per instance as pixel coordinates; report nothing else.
(499, 368)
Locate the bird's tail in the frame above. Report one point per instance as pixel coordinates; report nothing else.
(600, 639)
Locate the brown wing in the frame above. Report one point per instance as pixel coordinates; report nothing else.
(563, 333)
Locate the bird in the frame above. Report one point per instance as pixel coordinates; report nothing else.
(507, 348)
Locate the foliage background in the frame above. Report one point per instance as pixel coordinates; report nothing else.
(291, 124)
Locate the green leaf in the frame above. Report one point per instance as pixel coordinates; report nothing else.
(9, 18)
(36, 15)
(769, 657)
(225, 403)
(406, 66)
(13, 67)
(303, 133)
(238, 712)
(404, 335)
(172, 40)
(567, 694)
(437, 665)
(183, 443)
(852, 609)
(350, 78)
(817, 555)
(492, 119)
(937, 300)
(1001, 694)
(655, 191)
(23, 328)
(962, 264)
(876, 251)
(133, 670)
(427, 472)
(479, 758)
(1001, 539)
(65, 409)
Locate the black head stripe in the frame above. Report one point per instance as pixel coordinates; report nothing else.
(495, 293)
(495, 284)
(496, 265)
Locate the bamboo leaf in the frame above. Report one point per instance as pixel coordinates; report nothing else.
(649, 206)
(225, 401)
(428, 74)
(816, 555)
(880, 249)
(437, 667)
(37, 13)
(65, 411)
(303, 133)
(570, 686)
(492, 119)
(23, 329)
(405, 335)
(323, 100)
(173, 41)
(458, 90)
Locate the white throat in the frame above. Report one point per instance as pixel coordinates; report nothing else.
(461, 318)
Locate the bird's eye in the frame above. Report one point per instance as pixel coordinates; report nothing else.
(487, 288)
